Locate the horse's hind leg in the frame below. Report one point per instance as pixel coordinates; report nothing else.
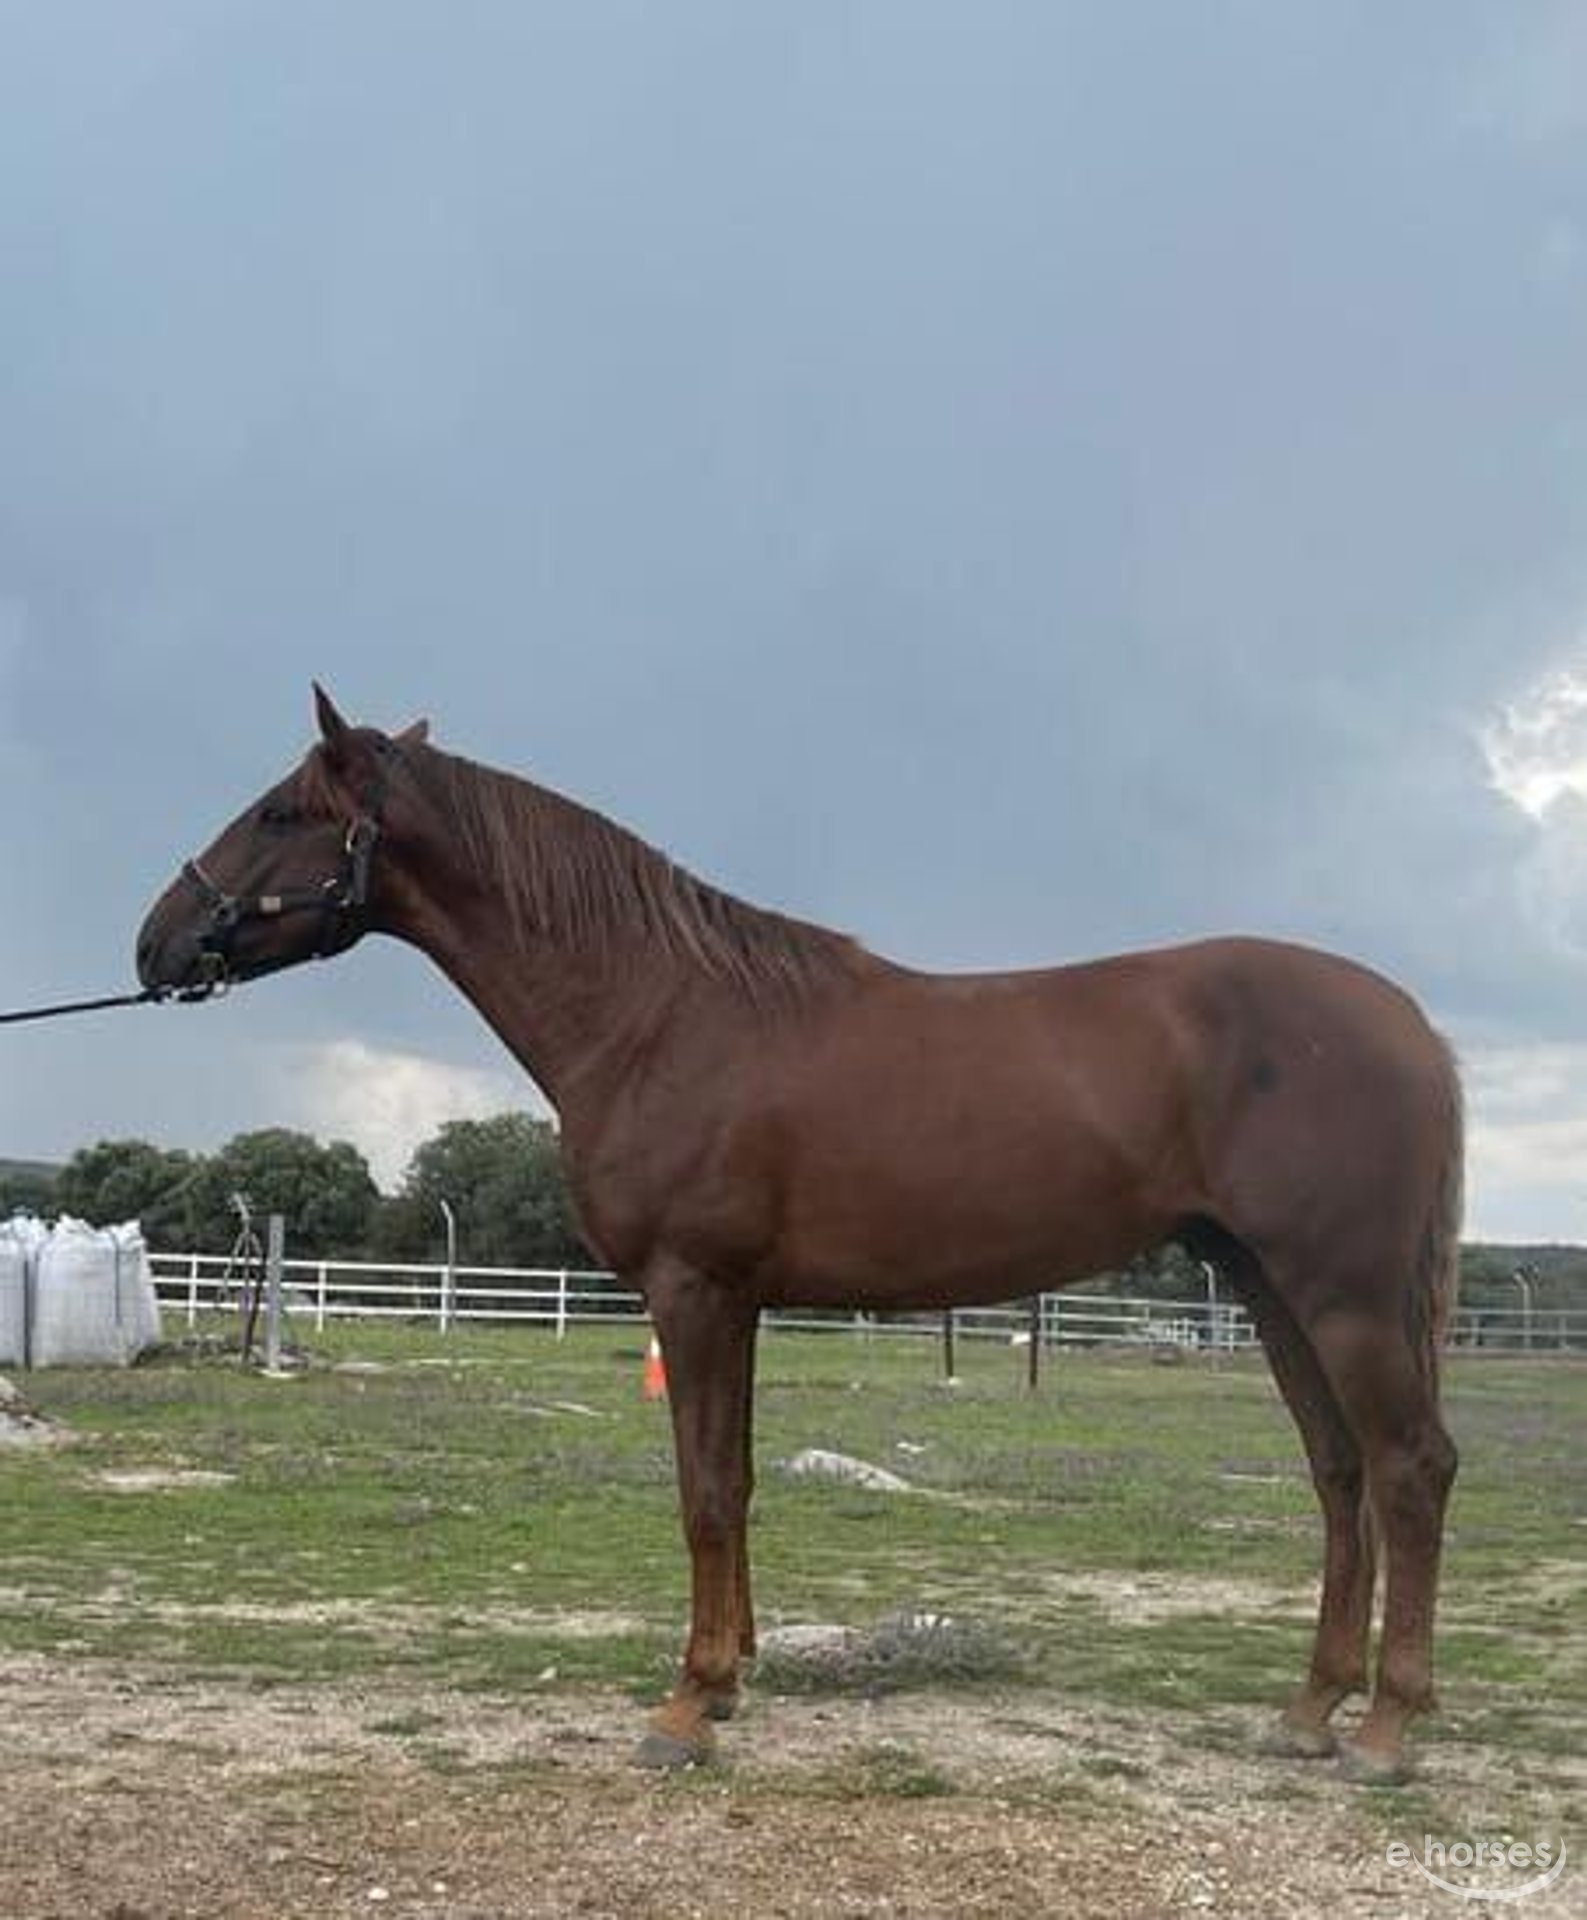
(1389, 1395)
(1344, 1620)
(746, 1605)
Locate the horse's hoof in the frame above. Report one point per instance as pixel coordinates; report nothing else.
(1369, 1769)
(1288, 1741)
(666, 1753)
(721, 1706)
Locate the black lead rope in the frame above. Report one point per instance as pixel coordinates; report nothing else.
(150, 996)
(81, 1006)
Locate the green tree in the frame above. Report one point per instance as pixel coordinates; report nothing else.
(325, 1192)
(1167, 1272)
(117, 1180)
(503, 1180)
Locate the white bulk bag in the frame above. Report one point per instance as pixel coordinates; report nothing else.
(20, 1239)
(93, 1299)
(140, 1306)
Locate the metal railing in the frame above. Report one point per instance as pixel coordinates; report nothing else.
(564, 1297)
(1520, 1330)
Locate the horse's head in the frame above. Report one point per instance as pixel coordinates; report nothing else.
(295, 875)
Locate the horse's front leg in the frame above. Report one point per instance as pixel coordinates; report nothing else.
(707, 1340)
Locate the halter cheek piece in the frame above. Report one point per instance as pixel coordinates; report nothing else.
(338, 900)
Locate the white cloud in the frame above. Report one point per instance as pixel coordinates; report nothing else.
(1536, 750)
(1537, 747)
(1527, 1149)
(387, 1103)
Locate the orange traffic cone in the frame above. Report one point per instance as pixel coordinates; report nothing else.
(653, 1382)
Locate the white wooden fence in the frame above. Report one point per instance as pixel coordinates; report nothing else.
(558, 1298)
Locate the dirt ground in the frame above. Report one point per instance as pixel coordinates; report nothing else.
(135, 1794)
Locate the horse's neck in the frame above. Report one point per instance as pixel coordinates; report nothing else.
(578, 1033)
(563, 1020)
(580, 1020)
(584, 971)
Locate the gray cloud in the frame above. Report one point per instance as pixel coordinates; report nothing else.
(1016, 486)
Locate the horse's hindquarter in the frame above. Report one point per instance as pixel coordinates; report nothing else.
(959, 1137)
(1328, 1109)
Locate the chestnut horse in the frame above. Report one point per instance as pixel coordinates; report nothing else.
(758, 1112)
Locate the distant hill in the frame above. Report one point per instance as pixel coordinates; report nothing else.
(1557, 1272)
(27, 1184)
(28, 1169)
(1545, 1257)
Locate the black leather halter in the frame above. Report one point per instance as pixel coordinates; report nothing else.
(339, 900)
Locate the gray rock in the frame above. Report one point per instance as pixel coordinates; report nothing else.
(817, 1463)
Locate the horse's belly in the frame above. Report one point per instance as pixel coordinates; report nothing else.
(902, 1231)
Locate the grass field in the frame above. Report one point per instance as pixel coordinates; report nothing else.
(495, 1511)
(426, 1584)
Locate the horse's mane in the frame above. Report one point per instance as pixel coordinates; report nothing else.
(568, 873)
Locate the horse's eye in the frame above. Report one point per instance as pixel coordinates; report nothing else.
(274, 814)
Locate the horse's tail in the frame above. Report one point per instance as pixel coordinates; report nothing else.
(1438, 1270)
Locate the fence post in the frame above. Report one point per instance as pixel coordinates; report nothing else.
(1033, 1364)
(562, 1303)
(192, 1289)
(275, 1249)
(322, 1281)
(947, 1344)
(449, 1278)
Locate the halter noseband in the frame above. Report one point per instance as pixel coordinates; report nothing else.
(337, 899)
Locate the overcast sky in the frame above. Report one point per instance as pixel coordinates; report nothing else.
(1016, 481)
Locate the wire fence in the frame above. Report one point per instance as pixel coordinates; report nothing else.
(320, 1291)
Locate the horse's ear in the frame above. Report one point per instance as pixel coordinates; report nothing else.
(414, 736)
(334, 730)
